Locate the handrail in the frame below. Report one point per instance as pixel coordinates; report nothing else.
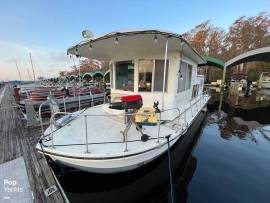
(40, 116)
(52, 119)
(178, 110)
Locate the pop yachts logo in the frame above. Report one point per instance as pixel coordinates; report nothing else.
(11, 186)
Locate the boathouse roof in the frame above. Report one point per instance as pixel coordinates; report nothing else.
(211, 61)
(261, 54)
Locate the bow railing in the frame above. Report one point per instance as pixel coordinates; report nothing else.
(180, 121)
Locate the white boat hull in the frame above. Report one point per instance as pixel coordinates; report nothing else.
(113, 165)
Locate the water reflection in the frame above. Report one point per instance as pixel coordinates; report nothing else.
(233, 154)
(237, 114)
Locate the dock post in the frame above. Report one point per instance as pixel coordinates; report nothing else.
(30, 113)
(224, 76)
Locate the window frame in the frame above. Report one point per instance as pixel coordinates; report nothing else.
(153, 74)
(115, 72)
(188, 66)
(167, 72)
(152, 82)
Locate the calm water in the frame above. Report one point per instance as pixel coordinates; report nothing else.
(228, 161)
(233, 155)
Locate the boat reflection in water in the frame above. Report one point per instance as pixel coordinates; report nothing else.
(239, 115)
(146, 184)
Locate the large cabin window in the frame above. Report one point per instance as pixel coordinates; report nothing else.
(188, 77)
(159, 75)
(124, 75)
(184, 76)
(145, 75)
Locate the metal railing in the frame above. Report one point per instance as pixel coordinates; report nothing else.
(201, 101)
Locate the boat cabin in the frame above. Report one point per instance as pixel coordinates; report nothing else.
(158, 65)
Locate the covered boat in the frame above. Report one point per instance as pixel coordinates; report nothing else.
(156, 96)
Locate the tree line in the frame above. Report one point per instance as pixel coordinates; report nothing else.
(246, 33)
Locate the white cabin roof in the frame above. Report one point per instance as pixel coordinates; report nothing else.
(132, 42)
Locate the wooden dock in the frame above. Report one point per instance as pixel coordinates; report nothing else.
(16, 140)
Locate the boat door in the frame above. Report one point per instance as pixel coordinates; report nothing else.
(183, 84)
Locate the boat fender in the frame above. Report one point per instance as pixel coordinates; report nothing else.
(145, 137)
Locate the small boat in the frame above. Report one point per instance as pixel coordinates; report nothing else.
(20, 91)
(156, 96)
(264, 80)
(66, 97)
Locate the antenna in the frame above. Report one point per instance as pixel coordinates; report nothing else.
(32, 66)
(87, 34)
(18, 70)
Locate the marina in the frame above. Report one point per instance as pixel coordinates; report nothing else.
(189, 173)
(149, 102)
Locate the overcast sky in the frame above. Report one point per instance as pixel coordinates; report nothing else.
(46, 28)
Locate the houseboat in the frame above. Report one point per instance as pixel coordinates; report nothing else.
(156, 96)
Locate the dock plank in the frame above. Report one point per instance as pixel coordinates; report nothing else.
(17, 140)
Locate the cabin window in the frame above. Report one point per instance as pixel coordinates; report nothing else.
(184, 76)
(145, 75)
(159, 75)
(195, 91)
(201, 83)
(188, 77)
(124, 75)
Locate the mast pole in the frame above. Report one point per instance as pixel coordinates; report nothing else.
(18, 70)
(32, 66)
(164, 73)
